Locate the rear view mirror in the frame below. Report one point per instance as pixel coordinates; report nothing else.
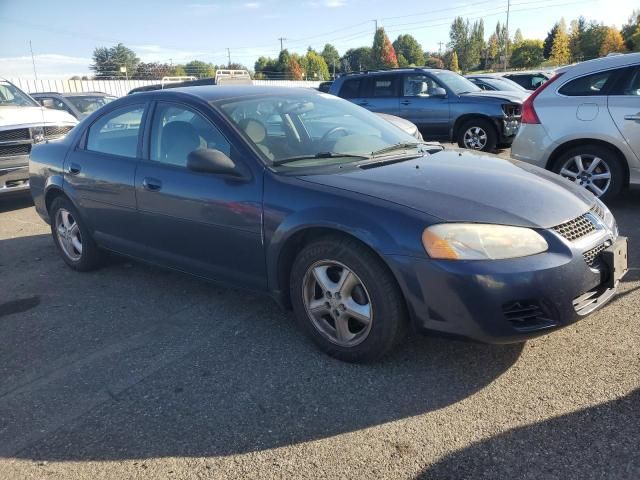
(208, 160)
(438, 92)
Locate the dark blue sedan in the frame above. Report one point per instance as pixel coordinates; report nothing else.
(336, 213)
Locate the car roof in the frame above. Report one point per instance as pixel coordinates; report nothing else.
(604, 63)
(391, 70)
(212, 93)
(73, 94)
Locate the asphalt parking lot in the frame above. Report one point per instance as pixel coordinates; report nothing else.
(136, 372)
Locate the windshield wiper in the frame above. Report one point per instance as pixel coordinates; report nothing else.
(396, 146)
(282, 161)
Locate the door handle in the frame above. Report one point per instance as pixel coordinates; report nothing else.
(152, 184)
(406, 102)
(633, 118)
(362, 104)
(74, 169)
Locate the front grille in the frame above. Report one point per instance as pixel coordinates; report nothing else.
(592, 256)
(56, 131)
(575, 229)
(512, 110)
(12, 150)
(527, 315)
(15, 134)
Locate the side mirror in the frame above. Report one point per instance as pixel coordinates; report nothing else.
(438, 92)
(208, 160)
(47, 103)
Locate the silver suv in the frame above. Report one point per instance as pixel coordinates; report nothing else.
(584, 124)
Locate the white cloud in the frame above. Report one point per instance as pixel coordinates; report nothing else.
(252, 5)
(327, 3)
(48, 65)
(157, 53)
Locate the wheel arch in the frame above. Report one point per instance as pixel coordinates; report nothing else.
(462, 119)
(583, 142)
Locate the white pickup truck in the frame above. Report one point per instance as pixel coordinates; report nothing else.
(24, 122)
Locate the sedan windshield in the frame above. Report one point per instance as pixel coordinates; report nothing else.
(456, 83)
(307, 129)
(86, 104)
(12, 96)
(503, 84)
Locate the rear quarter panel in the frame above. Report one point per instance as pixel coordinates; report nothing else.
(46, 167)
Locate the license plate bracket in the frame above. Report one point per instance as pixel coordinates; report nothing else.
(615, 258)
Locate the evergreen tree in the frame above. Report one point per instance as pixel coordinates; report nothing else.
(560, 52)
(453, 65)
(331, 57)
(548, 42)
(527, 54)
(408, 51)
(575, 39)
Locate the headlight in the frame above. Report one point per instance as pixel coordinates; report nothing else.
(473, 241)
(608, 217)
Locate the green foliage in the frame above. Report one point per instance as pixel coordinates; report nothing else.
(152, 71)
(200, 69)
(527, 54)
(560, 52)
(575, 39)
(356, 59)
(468, 42)
(433, 61)
(517, 38)
(408, 51)
(107, 62)
(631, 30)
(453, 63)
(548, 42)
(331, 57)
(592, 39)
(315, 66)
(382, 53)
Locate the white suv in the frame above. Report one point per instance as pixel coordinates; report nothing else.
(584, 124)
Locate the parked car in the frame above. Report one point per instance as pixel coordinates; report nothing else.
(444, 105)
(528, 80)
(493, 83)
(24, 122)
(585, 125)
(79, 104)
(339, 214)
(325, 86)
(222, 77)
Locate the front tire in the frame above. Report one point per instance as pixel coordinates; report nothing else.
(346, 300)
(593, 167)
(477, 134)
(71, 236)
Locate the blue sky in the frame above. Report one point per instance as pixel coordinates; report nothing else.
(64, 33)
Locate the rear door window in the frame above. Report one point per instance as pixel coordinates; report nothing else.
(117, 132)
(589, 85)
(386, 86)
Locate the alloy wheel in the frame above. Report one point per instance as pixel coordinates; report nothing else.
(588, 171)
(475, 138)
(337, 303)
(68, 234)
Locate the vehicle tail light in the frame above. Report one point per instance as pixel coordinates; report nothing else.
(529, 114)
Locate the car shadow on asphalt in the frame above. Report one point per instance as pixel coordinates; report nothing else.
(15, 201)
(134, 362)
(597, 442)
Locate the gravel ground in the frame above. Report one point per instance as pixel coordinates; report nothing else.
(135, 372)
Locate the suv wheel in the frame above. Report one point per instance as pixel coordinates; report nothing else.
(593, 167)
(477, 134)
(72, 238)
(346, 300)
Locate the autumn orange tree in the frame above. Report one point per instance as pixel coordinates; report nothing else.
(383, 55)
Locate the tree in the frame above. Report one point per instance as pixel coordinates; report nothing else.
(408, 48)
(517, 38)
(382, 53)
(266, 68)
(453, 64)
(295, 70)
(108, 62)
(331, 57)
(433, 61)
(459, 41)
(592, 39)
(631, 30)
(575, 39)
(178, 71)
(199, 69)
(612, 42)
(527, 54)
(315, 67)
(493, 50)
(560, 53)
(152, 71)
(356, 59)
(548, 42)
(635, 40)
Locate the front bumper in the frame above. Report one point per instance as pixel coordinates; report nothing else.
(501, 301)
(14, 179)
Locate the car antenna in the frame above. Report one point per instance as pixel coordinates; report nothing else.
(35, 74)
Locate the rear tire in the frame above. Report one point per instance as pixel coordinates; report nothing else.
(606, 175)
(71, 236)
(477, 134)
(359, 320)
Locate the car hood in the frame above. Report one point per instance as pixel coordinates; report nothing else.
(405, 125)
(15, 116)
(502, 95)
(467, 187)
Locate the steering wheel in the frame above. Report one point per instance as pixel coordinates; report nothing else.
(326, 136)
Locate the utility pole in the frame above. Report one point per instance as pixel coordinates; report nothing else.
(375, 22)
(229, 58)
(282, 40)
(506, 46)
(440, 48)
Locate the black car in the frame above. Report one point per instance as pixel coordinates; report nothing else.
(444, 105)
(362, 230)
(528, 80)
